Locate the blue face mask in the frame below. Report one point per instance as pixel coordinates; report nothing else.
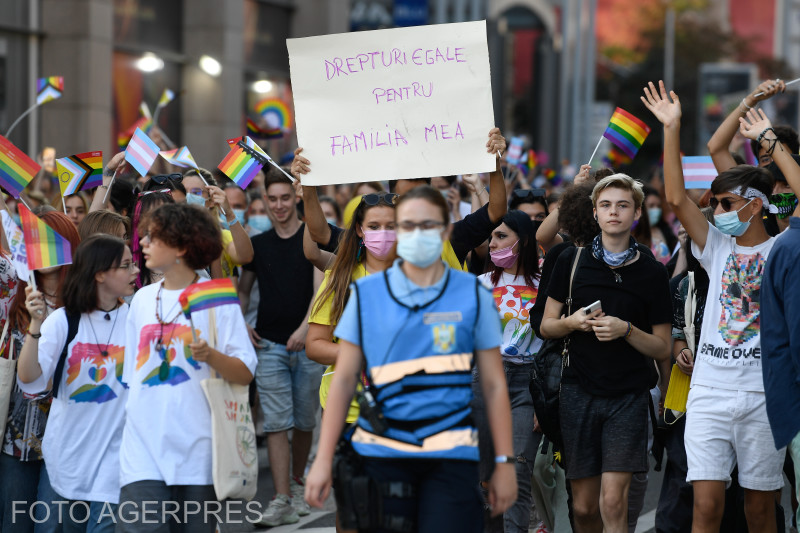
(654, 214)
(421, 248)
(331, 221)
(260, 223)
(240, 215)
(193, 199)
(729, 223)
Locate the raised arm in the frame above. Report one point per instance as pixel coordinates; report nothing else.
(100, 193)
(314, 217)
(498, 201)
(718, 145)
(756, 125)
(669, 113)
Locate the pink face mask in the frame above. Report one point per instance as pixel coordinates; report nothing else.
(379, 242)
(504, 257)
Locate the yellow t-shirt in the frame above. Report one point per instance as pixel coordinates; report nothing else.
(449, 257)
(323, 316)
(225, 261)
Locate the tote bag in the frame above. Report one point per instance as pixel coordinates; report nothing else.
(234, 453)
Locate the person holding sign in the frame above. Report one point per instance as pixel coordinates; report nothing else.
(727, 376)
(467, 234)
(426, 325)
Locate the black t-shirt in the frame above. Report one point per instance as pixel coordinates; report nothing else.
(285, 284)
(468, 233)
(641, 298)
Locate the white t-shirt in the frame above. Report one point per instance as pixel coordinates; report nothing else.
(729, 354)
(167, 434)
(514, 299)
(84, 429)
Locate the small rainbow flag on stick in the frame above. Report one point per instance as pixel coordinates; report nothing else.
(16, 169)
(180, 157)
(49, 89)
(166, 97)
(626, 132)
(80, 172)
(242, 164)
(208, 294)
(44, 247)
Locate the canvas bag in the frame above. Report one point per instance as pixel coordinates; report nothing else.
(678, 390)
(234, 454)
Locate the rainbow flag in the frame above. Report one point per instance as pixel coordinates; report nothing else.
(276, 113)
(241, 165)
(45, 247)
(208, 294)
(626, 132)
(143, 123)
(16, 169)
(257, 131)
(141, 152)
(166, 97)
(80, 172)
(49, 89)
(698, 171)
(180, 157)
(532, 160)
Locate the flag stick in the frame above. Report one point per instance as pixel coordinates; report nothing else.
(3, 336)
(194, 333)
(64, 203)
(276, 165)
(32, 279)
(155, 115)
(21, 199)
(14, 125)
(595, 150)
(109, 185)
(200, 175)
(757, 94)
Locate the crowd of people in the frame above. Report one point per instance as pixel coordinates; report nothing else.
(416, 315)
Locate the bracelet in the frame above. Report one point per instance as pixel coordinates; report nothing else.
(747, 106)
(34, 335)
(630, 330)
(232, 222)
(761, 135)
(499, 459)
(682, 349)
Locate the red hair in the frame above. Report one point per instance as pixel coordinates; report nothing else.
(57, 220)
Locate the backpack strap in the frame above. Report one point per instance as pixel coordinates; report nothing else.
(572, 278)
(72, 330)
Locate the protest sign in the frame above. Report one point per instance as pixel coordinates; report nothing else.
(390, 104)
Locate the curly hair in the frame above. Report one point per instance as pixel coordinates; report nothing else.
(575, 215)
(189, 228)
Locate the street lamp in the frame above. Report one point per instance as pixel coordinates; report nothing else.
(210, 66)
(149, 62)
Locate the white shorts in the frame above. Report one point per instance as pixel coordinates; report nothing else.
(724, 427)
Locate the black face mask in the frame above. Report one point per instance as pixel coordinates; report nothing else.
(785, 202)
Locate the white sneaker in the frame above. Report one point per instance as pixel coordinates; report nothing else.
(297, 486)
(279, 512)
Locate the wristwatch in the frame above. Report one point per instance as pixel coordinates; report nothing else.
(505, 459)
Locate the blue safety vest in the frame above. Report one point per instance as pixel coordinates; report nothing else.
(419, 360)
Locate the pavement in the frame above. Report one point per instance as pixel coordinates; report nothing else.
(323, 520)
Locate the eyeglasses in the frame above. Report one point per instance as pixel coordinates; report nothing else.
(161, 179)
(408, 226)
(726, 203)
(530, 193)
(130, 266)
(373, 199)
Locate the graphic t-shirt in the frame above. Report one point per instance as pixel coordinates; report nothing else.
(82, 438)
(514, 300)
(729, 354)
(167, 434)
(323, 316)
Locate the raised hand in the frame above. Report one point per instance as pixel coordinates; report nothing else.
(666, 111)
(766, 89)
(583, 175)
(300, 165)
(754, 123)
(496, 142)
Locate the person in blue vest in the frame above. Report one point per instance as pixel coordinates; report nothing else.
(418, 329)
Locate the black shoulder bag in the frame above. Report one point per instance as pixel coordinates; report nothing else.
(72, 330)
(548, 366)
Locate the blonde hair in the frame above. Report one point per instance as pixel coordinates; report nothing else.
(620, 181)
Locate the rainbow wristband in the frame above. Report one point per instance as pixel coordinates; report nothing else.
(630, 330)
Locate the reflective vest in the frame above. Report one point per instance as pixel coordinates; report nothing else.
(419, 359)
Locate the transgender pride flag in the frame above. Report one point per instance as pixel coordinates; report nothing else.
(698, 171)
(141, 152)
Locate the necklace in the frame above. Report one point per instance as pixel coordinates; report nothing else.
(107, 311)
(104, 351)
(161, 346)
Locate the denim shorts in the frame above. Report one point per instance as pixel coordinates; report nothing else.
(288, 387)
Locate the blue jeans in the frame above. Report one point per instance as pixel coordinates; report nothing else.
(518, 378)
(18, 482)
(61, 515)
(288, 387)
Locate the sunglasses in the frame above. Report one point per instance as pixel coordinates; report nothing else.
(373, 199)
(530, 193)
(161, 179)
(726, 203)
